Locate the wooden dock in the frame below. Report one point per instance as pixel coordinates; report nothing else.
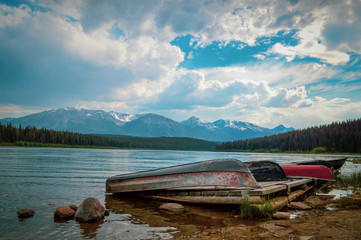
(275, 194)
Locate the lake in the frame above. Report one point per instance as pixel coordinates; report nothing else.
(46, 178)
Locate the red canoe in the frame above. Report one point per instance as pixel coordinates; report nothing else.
(308, 171)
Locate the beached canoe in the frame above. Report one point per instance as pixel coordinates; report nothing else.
(266, 171)
(308, 171)
(334, 164)
(218, 172)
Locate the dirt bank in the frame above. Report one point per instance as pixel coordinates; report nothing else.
(341, 223)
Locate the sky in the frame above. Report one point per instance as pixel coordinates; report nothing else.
(296, 63)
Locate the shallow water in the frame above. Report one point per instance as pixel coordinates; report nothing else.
(45, 178)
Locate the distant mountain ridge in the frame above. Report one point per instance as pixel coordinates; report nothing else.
(142, 125)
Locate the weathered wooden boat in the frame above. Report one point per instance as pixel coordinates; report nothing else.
(266, 171)
(334, 164)
(308, 171)
(214, 173)
(221, 182)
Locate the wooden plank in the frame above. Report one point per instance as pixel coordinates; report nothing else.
(267, 190)
(232, 200)
(278, 186)
(279, 202)
(211, 187)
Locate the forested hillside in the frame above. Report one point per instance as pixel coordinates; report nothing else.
(23, 136)
(342, 137)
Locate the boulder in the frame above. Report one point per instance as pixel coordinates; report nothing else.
(64, 213)
(90, 210)
(172, 207)
(25, 213)
(299, 205)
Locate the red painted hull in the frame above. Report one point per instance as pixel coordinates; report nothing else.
(308, 171)
(217, 173)
(183, 180)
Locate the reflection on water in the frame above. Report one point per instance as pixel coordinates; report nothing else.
(89, 230)
(45, 178)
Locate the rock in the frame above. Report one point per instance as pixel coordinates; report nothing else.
(107, 212)
(271, 227)
(315, 202)
(282, 223)
(283, 233)
(307, 238)
(264, 235)
(25, 213)
(351, 201)
(281, 215)
(90, 210)
(172, 207)
(299, 205)
(64, 213)
(73, 206)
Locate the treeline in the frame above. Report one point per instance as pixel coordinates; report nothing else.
(18, 135)
(341, 137)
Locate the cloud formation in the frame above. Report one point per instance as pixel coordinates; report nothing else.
(289, 58)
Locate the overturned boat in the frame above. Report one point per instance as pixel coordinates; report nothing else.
(308, 171)
(266, 171)
(219, 181)
(334, 164)
(214, 173)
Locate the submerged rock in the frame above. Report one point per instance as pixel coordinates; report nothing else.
(90, 210)
(64, 213)
(25, 213)
(172, 207)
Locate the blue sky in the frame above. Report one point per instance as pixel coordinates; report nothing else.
(296, 63)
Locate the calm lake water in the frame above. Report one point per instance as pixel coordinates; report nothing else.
(45, 178)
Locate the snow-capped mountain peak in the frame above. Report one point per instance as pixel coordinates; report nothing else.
(145, 125)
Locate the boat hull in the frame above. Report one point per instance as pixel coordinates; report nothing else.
(308, 171)
(218, 172)
(182, 180)
(334, 164)
(266, 171)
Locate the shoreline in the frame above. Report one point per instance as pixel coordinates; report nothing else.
(50, 145)
(340, 223)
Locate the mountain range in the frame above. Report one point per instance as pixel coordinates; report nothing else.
(142, 125)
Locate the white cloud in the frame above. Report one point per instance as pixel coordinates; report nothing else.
(259, 56)
(106, 106)
(13, 110)
(13, 16)
(263, 85)
(294, 98)
(310, 46)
